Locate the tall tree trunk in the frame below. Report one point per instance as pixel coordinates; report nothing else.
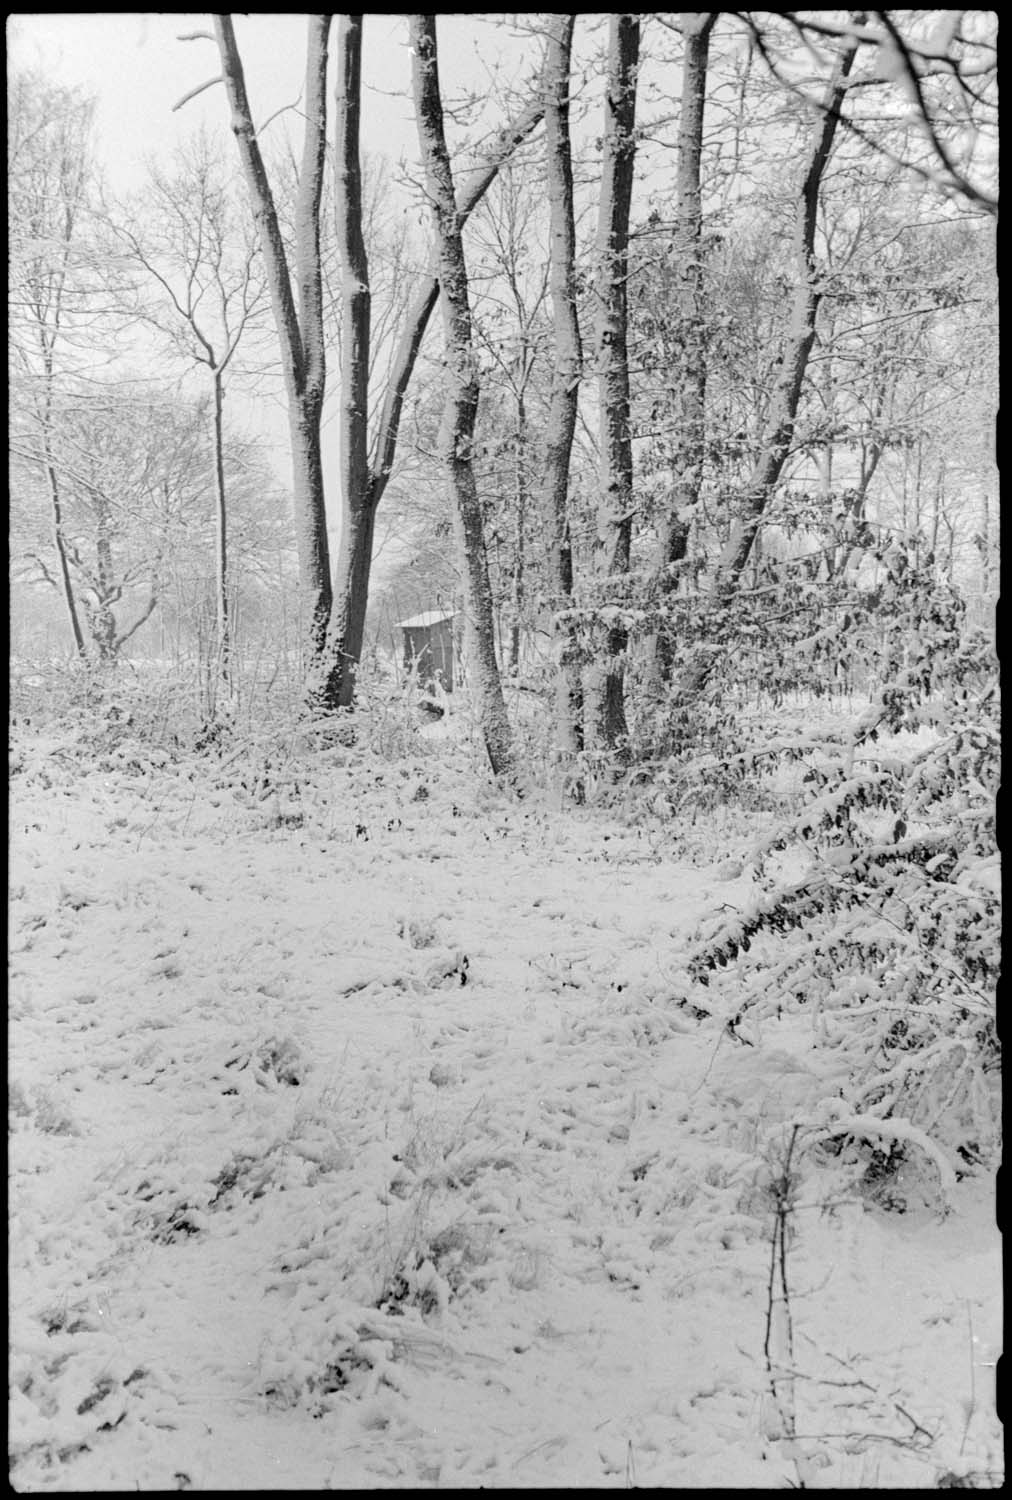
(52, 478)
(102, 620)
(519, 527)
(566, 375)
(457, 433)
(358, 512)
(221, 533)
(689, 377)
(299, 325)
(365, 478)
(67, 583)
(859, 535)
(800, 339)
(605, 720)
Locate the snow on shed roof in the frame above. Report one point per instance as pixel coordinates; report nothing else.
(430, 617)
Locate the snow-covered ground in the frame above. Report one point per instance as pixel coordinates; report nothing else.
(359, 1140)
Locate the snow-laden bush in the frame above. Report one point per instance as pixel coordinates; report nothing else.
(875, 908)
(129, 719)
(876, 905)
(823, 639)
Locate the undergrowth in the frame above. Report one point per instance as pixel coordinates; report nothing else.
(875, 886)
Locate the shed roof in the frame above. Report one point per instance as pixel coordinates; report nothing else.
(430, 617)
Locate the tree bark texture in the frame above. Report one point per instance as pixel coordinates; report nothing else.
(519, 529)
(457, 433)
(688, 378)
(358, 510)
(299, 324)
(566, 375)
(605, 720)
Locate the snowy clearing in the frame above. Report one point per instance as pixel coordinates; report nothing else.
(359, 1140)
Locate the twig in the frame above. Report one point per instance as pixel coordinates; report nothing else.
(914, 1422)
(973, 1383)
(780, 1362)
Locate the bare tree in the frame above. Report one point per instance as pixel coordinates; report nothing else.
(134, 481)
(335, 610)
(605, 720)
(186, 240)
(508, 328)
(48, 179)
(457, 433)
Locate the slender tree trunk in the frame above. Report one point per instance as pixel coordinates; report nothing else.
(519, 526)
(800, 339)
(986, 547)
(55, 498)
(67, 583)
(364, 479)
(937, 492)
(689, 378)
(469, 195)
(312, 371)
(457, 433)
(221, 533)
(604, 689)
(299, 324)
(566, 376)
(859, 532)
(103, 621)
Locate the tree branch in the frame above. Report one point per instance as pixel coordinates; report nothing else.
(468, 196)
(218, 78)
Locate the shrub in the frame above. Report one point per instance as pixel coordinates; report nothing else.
(886, 881)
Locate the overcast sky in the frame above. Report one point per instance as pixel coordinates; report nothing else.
(138, 69)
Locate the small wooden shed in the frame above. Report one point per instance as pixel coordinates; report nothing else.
(428, 648)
